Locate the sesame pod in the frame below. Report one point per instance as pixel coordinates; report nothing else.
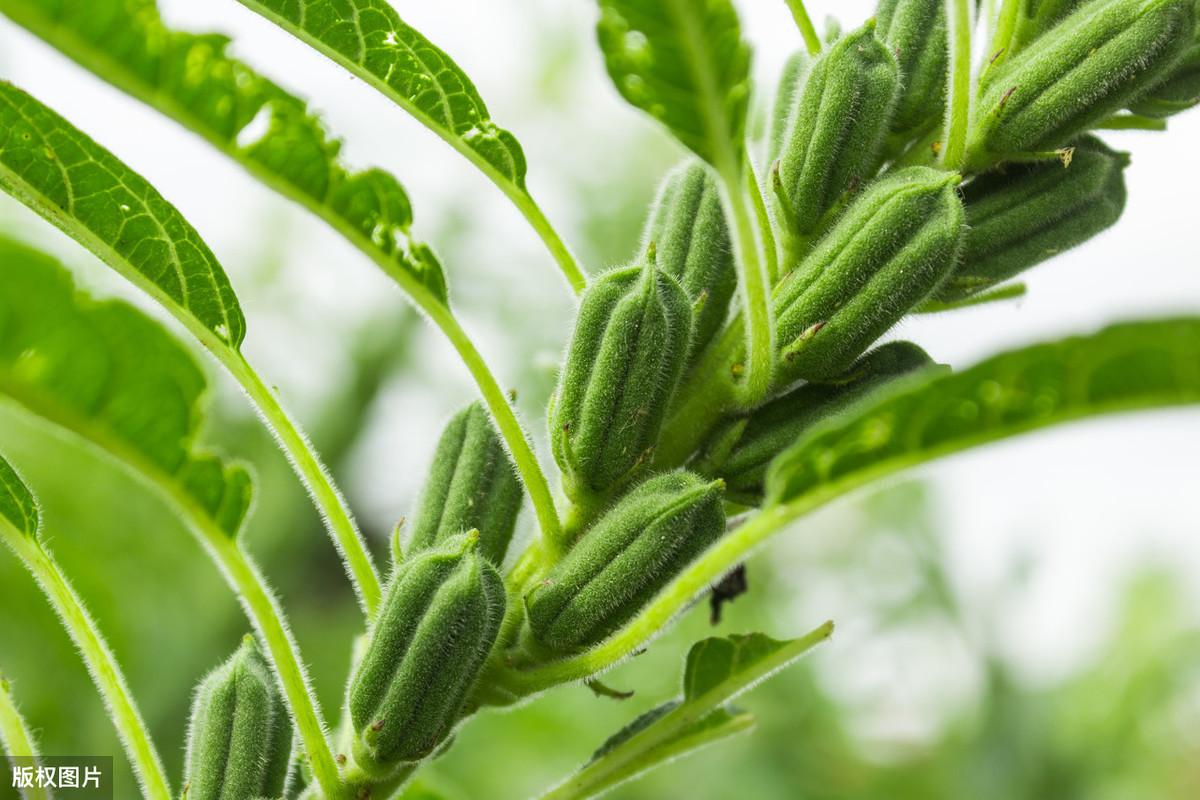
(837, 126)
(1022, 214)
(1179, 92)
(472, 485)
(742, 448)
(791, 82)
(690, 237)
(626, 355)
(1035, 17)
(239, 738)
(891, 249)
(440, 617)
(917, 34)
(631, 552)
(1092, 64)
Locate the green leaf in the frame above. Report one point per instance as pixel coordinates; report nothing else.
(272, 133)
(17, 506)
(369, 37)
(683, 62)
(112, 375)
(717, 670)
(1130, 366)
(58, 171)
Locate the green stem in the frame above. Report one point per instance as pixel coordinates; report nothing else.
(519, 197)
(510, 427)
(346, 537)
(959, 104)
(804, 23)
(754, 284)
(16, 739)
(100, 662)
(766, 229)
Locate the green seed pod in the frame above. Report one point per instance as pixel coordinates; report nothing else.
(1179, 92)
(690, 237)
(791, 82)
(440, 617)
(239, 738)
(916, 33)
(629, 348)
(1035, 17)
(891, 249)
(1022, 214)
(741, 449)
(472, 485)
(836, 127)
(1091, 65)
(631, 552)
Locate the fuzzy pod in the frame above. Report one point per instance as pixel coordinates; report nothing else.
(440, 616)
(1035, 17)
(472, 485)
(1022, 214)
(1178, 92)
(916, 32)
(630, 553)
(740, 449)
(1092, 64)
(791, 83)
(836, 127)
(892, 248)
(626, 355)
(690, 237)
(240, 737)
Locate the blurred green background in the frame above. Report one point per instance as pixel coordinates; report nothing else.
(928, 690)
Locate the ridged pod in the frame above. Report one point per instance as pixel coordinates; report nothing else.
(791, 83)
(240, 737)
(1022, 214)
(690, 237)
(1092, 64)
(892, 248)
(1035, 17)
(440, 617)
(1178, 92)
(741, 449)
(472, 485)
(628, 350)
(643, 541)
(916, 32)
(836, 128)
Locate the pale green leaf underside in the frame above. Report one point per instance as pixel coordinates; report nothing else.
(191, 79)
(372, 37)
(109, 373)
(1125, 367)
(683, 62)
(17, 505)
(59, 172)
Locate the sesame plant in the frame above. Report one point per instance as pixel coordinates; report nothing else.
(724, 383)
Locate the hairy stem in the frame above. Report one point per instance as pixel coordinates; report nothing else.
(16, 738)
(99, 659)
(1003, 31)
(804, 22)
(1132, 122)
(958, 113)
(766, 229)
(754, 284)
(325, 495)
